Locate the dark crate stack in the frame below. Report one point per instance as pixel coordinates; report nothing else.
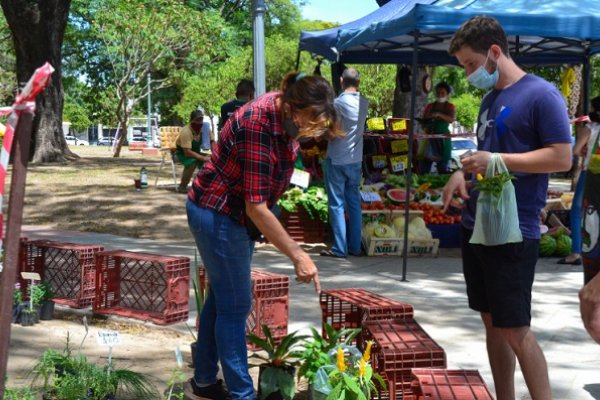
(398, 346)
(28, 253)
(350, 308)
(442, 384)
(143, 286)
(270, 303)
(69, 268)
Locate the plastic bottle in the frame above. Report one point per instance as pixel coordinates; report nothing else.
(144, 178)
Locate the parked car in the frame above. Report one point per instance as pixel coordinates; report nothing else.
(106, 141)
(459, 147)
(73, 141)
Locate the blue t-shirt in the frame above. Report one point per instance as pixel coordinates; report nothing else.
(523, 117)
(352, 108)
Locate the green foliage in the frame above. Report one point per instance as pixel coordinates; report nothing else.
(17, 295)
(20, 394)
(40, 292)
(175, 381)
(279, 360)
(199, 295)
(315, 351)
(313, 199)
(76, 114)
(75, 377)
(493, 184)
(467, 109)
(377, 83)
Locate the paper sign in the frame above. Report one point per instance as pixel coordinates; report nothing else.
(370, 196)
(399, 146)
(399, 125)
(31, 276)
(398, 163)
(108, 338)
(379, 161)
(300, 178)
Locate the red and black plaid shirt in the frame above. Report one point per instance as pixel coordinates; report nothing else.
(253, 160)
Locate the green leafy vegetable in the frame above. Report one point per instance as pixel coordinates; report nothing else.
(493, 184)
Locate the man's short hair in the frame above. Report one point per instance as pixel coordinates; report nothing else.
(196, 114)
(351, 77)
(245, 88)
(479, 33)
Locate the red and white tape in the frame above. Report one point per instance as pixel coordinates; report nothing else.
(25, 103)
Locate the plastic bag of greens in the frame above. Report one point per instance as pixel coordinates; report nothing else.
(496, 218)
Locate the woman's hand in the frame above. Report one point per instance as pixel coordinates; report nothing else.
(306, 271)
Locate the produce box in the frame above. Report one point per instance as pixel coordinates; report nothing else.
(369, 216)
(421, 247)
(375, 246)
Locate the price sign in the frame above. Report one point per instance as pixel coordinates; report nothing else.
(399, 163)
(31, 276)
(399, 125)
(379, 161)
(300, 178)
(370, 196)
(108, 338)
(399, 146)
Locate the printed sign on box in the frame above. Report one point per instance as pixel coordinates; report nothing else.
(399, 146)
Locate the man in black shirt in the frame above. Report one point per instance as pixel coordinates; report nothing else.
(244, 92)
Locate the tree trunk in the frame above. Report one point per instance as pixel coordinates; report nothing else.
(402, 99)
(38, 28)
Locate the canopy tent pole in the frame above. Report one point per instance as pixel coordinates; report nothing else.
(259, 46)
(586, 84)
(298, 58)
(411, 136)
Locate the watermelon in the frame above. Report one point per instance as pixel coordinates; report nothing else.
(547, 246)
(563, 246)
(397, 196)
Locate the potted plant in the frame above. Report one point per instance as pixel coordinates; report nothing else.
(199, 294)
(349, 375)
(315, 352)
(276, 378)
(17, 300)
(41, 295)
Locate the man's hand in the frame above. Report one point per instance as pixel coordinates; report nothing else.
(477, 162)
(589, 306)
(306, 271)
(456, 184)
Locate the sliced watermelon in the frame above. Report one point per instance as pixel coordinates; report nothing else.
(396, 196)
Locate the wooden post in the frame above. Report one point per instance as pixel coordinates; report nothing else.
(21, 146)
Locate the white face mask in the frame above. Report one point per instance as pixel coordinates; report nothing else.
(442, 99)
(481, 78)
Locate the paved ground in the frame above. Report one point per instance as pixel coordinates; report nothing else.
(435, 288)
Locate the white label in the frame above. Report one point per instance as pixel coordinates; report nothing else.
(108, 338)
(178, 357)
(31, 276)
(300, 178)
(370, 196)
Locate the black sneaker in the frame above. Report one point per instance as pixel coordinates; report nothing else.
(215, 391)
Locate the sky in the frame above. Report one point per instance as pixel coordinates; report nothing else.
(341, 11)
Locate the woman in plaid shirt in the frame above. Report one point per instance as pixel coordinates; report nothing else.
(249, 169)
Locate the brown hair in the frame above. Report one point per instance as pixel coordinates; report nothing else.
(479, 33)
(311, 98)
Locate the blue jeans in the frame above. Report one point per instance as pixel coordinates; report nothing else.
(575, 214)
(343, 194)
(226, 252)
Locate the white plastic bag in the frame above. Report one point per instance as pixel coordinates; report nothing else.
(497, 218)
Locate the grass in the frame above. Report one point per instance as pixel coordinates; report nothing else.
(96, 194)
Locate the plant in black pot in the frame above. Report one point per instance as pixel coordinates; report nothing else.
(276, 378)
(42, 295)
(315, 354)
(17, 301)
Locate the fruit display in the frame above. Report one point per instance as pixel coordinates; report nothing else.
(555, 243)
(168, 136)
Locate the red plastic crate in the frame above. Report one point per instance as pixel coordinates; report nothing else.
(69, 268)
(143, 286)
(442, 384)
(349, 308)
(270, 304)
(398, 347)
(28, 254)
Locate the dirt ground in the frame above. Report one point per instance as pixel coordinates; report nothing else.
(96, 194)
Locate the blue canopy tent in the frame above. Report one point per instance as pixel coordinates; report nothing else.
(418, 32)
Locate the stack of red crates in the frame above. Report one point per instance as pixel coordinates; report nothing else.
(398, 347)
(270, 303)
(143, 286)
(350, 308)
(69, 268)
(442, 384)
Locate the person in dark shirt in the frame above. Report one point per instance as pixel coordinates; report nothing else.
(244, 92)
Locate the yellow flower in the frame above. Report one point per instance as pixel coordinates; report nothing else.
(479, 177)
(367, 355)
(361, 368)
(340, 360)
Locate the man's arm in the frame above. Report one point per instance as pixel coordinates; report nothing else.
(589, 305)
(192, 154)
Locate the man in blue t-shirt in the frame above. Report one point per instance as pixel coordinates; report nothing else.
(524, 119)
